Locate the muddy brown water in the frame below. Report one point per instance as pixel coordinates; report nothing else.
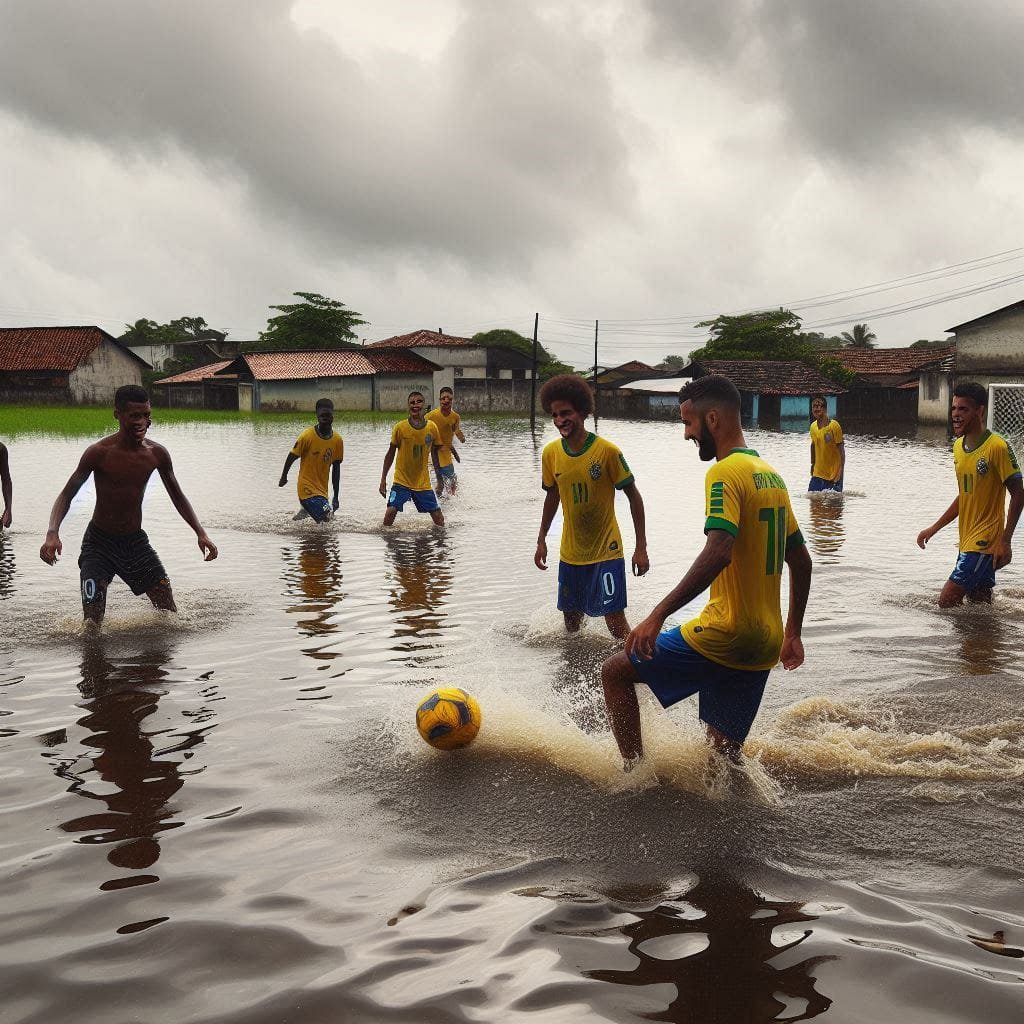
(227, 815)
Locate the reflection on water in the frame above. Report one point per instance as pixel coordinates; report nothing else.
(128, 773)
(825, 523)
(715, 946)
(313, 576)
(6, 566)
(420, 584)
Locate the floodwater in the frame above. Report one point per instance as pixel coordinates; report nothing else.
(227, 815)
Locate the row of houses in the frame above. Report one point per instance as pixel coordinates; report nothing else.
(85, 365)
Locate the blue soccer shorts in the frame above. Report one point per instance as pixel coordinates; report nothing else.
(974, 570)
(425, 501)
(729, 697)
(819, 483)
(447, 472)
(318, 507)
(596, 589)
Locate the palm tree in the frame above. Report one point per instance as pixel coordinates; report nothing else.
(860, 337)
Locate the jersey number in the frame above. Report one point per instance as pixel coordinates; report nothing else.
(968, 483)
(775, 553)
(417, 452)
(580, 496)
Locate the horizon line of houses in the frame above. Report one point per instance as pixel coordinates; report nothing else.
(85, 365)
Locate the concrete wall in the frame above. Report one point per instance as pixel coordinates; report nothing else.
(476, 395)
(996, 347)
(101, 373)
(391, 391)
(155, 355)
(302, 395)
(934, 397)
(35, 387)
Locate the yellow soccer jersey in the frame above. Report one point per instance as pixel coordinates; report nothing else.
(741, 625)
(413, 454)
(981, 475)
(586, 482)
(316, 456)
(826, 439)
(446, 428)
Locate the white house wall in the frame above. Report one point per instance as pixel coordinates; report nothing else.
(996, 347)
(302, 395)
(101, 373)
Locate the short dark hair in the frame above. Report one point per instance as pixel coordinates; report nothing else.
(568, 387)
(324, 403)
(972, 390)
(411, 393)
(128, 393)
(448, 389)
(714, 389)
(819, 398)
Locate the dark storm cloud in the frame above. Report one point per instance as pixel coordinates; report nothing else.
(505, 143)
(860, 80)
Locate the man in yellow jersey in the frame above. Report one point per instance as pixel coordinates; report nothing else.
(447, 421)
(986, 469)
(828, 452)
(414, 442)
(726, 653)
(318, 448)
(583, 472)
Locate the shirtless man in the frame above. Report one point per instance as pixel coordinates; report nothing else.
(6, 488)
(115, 543)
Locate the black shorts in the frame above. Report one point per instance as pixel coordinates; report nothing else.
(128, 555)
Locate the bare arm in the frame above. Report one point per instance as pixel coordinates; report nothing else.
(6, 488)
(52, 547)
(944, 520)
(799, 561)
(289, 461)
(641, 563)
(435, 457)
(842, 460)
(460, 435)
(336, 484)
(715, 556)
(182, 504)
(540, 557)
(1003, 552)
(388, 462)
(812, 458)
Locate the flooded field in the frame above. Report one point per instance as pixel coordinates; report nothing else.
(228, 816)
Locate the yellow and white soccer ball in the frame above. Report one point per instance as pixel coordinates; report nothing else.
(448, 718)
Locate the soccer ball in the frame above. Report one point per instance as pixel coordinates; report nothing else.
(448, 718)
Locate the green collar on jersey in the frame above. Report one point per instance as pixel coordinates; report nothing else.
(591, 438)
(981, 440)
(744, 451)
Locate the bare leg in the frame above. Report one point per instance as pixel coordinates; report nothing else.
(438, 516)
(94, 600)
(952, 595)
(389, 515)
(162, 597)
(620, 679)
(617, 625)
(573, 621)
(731, 748)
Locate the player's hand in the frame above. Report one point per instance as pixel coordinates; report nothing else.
(439, 489)
(540, 556)
(1002, 555)
(455, 454)
(383, 488)
(51, 549)
(641, 563)
(924, 536)
(792, 655)
(208, 548)
(282, 481)
(5, 520)
(641, 640)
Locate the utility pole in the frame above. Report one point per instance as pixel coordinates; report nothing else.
(533, 378)
(595, 376)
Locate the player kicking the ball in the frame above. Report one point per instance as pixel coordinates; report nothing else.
(986, 469)
(726, 653)
(583, 472)
(115, 543)
(412, 441)
(318, 449)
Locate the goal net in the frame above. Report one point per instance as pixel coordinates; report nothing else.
(1006, 409)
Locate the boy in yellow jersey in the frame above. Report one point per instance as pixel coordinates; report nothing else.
(318, 448)
(414, 442)
(583, 472)
(985, 469)
(447, 421)
(828, 452)
(726, 653)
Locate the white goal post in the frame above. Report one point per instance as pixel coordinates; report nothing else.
(1006, 409)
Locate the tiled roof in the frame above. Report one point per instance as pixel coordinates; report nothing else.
(769, 378)
(52, 348)
(196, 374)
(866, 361)
(424, 339)
(346, 363)
(619, 376)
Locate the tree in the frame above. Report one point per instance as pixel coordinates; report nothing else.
(548, 365)
(141, 332)
(861, 337)
(933, 343)
(768, 334)
(675, 362)
(315, 323)
(185, 328)
(822, 342)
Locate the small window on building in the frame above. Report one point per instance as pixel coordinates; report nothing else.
(932, 387)
(457, 371)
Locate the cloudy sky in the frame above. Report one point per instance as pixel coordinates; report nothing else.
(464, 164)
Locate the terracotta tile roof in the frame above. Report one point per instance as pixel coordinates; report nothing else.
(889, 361)
(767, 378)
(196, 374)
(423, 339)
(52, 348)
(347, 363)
